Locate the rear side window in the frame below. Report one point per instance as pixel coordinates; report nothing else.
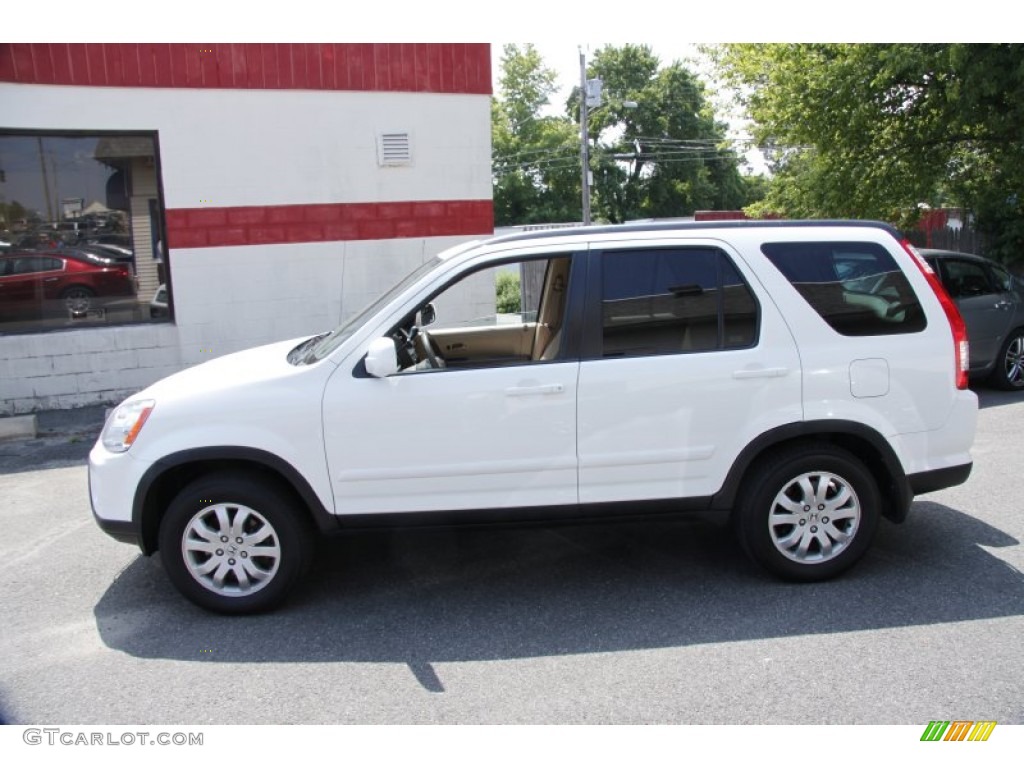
(857, 288)
(674, 300)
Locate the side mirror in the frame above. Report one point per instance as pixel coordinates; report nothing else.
(427, 315)
(381, 358)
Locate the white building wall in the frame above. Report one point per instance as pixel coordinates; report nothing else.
(228, 148)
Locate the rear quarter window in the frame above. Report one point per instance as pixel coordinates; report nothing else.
(857, 288)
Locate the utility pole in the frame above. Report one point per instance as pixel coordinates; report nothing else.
(46, 181)
(584, 139)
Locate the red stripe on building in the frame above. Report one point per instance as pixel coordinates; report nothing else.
(413, 67)
(263, 225)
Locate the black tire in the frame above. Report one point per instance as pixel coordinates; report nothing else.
(250, 534)
(1009, 370)
(835, 526)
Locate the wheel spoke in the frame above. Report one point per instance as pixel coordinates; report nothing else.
(197, 545)
(808, 494)
(238, 524)
(825, 543)
(254, 570)
(201, 529)
(273, 551)
(241, 576)
(805, 543)
(223, 523)
(840, 499)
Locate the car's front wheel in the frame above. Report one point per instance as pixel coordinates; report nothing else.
(808, 513)
(233, 543)
(1009, 370)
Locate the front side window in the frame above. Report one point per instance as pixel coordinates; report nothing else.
(857, 288)
(510, 314)
(667, 301)
(81, 240)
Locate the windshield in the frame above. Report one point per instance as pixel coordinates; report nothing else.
(335, 338)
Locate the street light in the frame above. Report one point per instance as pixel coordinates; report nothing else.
(590, 96)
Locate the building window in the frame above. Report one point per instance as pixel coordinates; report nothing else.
(81, 231)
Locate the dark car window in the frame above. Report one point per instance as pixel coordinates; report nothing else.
(857, 288)
(28, 264)
(964, 279)
(1003, 279)
(674, 300)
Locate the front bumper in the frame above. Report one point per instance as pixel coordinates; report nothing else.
(113, 478)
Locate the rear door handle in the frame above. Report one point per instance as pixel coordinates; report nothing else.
(760, 373)
(1002, 305)
(540, 389)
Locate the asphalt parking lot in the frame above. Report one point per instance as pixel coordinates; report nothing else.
(653, 622)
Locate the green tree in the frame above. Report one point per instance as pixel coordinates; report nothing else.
(668, 156)
(507, 293)
(875, 131)
(535, 158)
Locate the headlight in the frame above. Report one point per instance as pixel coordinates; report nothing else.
(124, 426)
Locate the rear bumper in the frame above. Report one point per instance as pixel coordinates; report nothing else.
(937, 479)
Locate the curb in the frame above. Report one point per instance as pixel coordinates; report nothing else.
(19, 427)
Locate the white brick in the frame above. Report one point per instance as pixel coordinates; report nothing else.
(44, 386)
(13, 388)
(71, 363)
(110, 362)
(30, 366)
(157, 357)
(13, 347)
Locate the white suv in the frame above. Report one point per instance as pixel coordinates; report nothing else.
(804, 378)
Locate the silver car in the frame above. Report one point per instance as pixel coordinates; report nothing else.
(991, 301)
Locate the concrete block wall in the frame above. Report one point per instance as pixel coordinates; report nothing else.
(88, 366)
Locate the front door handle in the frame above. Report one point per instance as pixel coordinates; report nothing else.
(540, 389)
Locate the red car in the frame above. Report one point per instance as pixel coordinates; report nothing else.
(36, 284)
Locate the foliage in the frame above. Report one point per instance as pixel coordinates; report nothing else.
(534, 157)
(666, 158)
(506, 288)
(880, 131)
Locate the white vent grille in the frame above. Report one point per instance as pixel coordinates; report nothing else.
(394, 148)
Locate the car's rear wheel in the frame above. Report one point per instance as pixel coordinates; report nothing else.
(808, 513)
(77, 299)
(1009, 370)
(233, 543)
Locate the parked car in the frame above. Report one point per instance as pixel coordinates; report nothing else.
(991, 300)
(801, 379)
(158, 305)
(36, 284)
(111, 238)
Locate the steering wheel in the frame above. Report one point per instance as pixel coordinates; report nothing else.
(428, 348)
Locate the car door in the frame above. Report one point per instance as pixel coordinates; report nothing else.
(682, 367)
(498, 432)
(982, 305)
(21, 288)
